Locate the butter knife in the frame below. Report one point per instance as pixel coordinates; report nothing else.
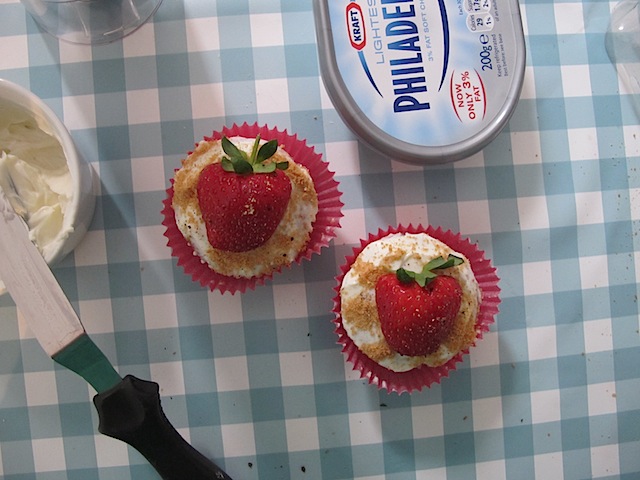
(129, 409)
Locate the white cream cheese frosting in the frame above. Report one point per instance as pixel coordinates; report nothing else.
(358, 304)
(36, 179)
(290, 237)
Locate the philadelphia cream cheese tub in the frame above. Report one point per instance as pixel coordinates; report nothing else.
(422, 81)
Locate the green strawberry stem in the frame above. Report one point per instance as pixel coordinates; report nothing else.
(239, 162)
(428, 274)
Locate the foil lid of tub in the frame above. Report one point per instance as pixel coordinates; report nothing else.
(423, 82)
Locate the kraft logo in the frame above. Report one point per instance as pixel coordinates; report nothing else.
(355, 26)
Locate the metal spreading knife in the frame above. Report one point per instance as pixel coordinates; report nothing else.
(129, 409)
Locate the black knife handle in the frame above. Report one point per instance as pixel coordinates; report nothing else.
(131, 411)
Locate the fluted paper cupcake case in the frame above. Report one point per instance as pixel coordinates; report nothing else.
(324, 227)
(423, 376)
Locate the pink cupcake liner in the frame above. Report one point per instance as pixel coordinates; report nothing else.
(423, 376)
(324, 228)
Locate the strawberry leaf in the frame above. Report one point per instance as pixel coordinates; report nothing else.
(267, 151)
(254, 150)
(264, 167)
(227, 165)
(239, 162)
(405, 276)
(452, 261)
(434, 264)
(425, 277)
(238, 166)
(234, 152)
(427, 274)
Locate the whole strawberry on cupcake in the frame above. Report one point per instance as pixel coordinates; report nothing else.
(410, 303)
(247, 202)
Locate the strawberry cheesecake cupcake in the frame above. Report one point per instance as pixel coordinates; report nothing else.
(247, 202)
(410, 303)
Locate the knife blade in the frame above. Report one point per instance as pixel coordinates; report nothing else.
(129, 409)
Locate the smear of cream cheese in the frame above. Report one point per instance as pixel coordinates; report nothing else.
(36, 179)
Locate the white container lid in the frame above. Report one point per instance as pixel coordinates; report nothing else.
(422, 81)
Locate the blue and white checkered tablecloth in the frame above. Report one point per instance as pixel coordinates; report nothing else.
(257, 381)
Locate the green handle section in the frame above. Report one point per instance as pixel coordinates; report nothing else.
(131, 412)
(87, 360)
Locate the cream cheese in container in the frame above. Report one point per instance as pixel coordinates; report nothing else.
(422, 81)
(42, 174)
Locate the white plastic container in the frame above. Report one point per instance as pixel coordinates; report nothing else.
(422, 81)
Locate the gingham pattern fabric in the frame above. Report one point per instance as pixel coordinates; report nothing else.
(256, 381)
